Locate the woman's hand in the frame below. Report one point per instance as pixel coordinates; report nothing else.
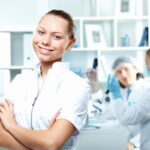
(7, 114)
(113, 86)
(55, 117)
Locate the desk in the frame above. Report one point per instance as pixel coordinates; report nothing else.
(106, 138)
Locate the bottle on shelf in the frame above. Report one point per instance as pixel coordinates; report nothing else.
(144, 39)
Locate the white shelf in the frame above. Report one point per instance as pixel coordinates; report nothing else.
(95, 18)
(81, 57)
(144, 48)
(114, 26)
(132, 18)
(17, 28)
(16, 67)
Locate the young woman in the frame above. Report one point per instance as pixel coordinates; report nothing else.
(135, 111)
(51, 93)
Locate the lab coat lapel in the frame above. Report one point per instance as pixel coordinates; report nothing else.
(53, 81)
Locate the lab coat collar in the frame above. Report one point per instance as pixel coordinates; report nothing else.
(53, 79)
(55, 66)
(136, 84)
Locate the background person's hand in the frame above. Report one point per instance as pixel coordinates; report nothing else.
(130, 146)
(113, 86)
(92, 75)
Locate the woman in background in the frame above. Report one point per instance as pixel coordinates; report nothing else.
(147, 61)
(131, 82)
(135, 111)
(51, 88)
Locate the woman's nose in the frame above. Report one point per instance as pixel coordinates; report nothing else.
(46, 40)
(124, 73)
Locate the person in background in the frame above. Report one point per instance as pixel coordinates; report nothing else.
(97, 88)
(147, 61)
(131, 81)
(133, 109)
(46, 108)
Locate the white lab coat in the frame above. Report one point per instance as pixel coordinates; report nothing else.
(109, 112)
(138, 112)
(61, 89)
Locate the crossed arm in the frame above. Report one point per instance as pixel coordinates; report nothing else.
(21, 138)
(8, 141)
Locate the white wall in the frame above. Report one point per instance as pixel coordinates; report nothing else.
(29, 11)
(19, 11)
(74, 7)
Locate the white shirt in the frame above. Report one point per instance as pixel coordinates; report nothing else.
(61, 89)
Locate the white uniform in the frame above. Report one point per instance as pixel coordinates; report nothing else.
(136, 112)
(134, 130)
(61, 89)
(137, 90)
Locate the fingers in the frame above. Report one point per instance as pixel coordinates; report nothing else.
(57, 113)
(110, 78)
(9, 102)
(92, 74)
(55, 117)
(10, 105)
(7, 105)
(3, 109)
(3, 106)
(112, 82)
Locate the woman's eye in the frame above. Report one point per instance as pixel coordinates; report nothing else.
(40, 32)
(118, 72)
(126, 69)
(56, 37)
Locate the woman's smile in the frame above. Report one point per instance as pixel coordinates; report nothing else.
(44, 50)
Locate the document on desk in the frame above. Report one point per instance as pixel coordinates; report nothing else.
(92, 126)
(98, 125)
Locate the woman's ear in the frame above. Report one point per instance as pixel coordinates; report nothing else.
(70, 45)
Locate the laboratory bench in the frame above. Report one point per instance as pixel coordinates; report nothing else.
(103, 136)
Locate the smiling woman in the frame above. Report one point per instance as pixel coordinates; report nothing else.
(49, 113)
(53, 38)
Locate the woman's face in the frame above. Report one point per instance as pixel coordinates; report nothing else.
(51, 39)
(126, 74)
